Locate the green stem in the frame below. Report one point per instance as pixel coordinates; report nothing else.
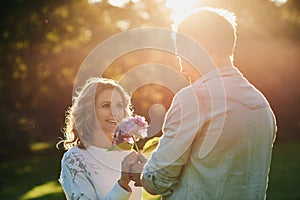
(135, 144)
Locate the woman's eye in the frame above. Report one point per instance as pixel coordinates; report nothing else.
(106, 105)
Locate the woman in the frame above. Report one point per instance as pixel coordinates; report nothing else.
(88, 170)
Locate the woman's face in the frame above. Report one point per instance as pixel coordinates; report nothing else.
(109, 108)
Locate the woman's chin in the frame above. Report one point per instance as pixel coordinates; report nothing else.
(109, 133)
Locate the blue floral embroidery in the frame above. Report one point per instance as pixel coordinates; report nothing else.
(79, 196)
(76, 163)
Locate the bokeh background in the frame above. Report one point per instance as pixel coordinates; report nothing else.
(44, 42)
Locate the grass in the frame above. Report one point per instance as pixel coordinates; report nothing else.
(35, 176)
(284, 177)
(31, 177)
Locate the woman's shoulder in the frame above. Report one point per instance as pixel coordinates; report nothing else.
(73, 152)
(75, 157)
(73, 149)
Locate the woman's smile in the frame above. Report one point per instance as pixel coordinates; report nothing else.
(109, 109)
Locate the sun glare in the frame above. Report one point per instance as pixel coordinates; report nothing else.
(116, 3)
(181, 9)
(279, 2)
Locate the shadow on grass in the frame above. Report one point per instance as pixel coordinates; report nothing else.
(32, 176)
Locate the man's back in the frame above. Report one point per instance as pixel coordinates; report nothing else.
(218, 133)
(237, 166)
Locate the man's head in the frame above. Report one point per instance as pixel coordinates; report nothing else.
(215, 30)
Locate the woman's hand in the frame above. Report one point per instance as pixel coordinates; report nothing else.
(137, 168)
(127, 162)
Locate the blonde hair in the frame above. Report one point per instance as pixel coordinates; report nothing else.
(80, 117)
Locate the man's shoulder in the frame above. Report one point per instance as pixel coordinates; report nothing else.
(185, 92)
(193, 90)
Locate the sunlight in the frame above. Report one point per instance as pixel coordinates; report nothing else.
(51, 187)
(40, 146)
(94, 1)
(180, 9)
(116, 3)
(183, 9)
(279, 2)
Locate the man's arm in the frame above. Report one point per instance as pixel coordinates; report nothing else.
(147, 187)
(182, 122)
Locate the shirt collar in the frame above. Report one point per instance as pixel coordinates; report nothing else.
(220, 71)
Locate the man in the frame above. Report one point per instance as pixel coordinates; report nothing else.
(218, 132)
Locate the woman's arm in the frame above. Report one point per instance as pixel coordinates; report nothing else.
(73, 178)
(122, 190)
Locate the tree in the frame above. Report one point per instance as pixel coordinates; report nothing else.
(44, 42)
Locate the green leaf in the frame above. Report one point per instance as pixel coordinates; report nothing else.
(122, 146)
(150, 146)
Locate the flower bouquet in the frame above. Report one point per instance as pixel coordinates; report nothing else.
(128, 133)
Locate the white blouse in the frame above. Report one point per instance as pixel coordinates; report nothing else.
(93, 174)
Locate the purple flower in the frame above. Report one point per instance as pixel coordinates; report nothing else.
(130, 130)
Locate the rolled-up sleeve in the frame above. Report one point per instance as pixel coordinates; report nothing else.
(181, 125)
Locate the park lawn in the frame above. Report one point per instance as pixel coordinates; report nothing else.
(32, 177)
(35, 176)
(284, 180)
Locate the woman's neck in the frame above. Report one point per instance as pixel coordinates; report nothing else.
(100, 140)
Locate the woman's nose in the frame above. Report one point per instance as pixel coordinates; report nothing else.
(115, 111)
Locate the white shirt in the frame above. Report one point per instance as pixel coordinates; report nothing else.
(93, 174)
(217, 141)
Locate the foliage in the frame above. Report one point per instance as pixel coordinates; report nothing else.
(44, 42)
(42, 46)
(150, 146)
